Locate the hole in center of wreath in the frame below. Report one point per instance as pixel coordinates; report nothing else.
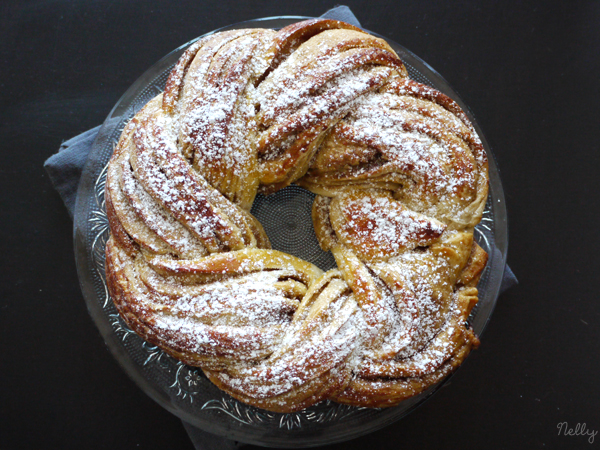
(287, 220)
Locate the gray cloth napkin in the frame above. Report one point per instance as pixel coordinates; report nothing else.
(65, 167)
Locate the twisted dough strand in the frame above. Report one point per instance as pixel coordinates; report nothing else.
(401, 181)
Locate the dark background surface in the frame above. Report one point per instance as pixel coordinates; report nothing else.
(528, 70)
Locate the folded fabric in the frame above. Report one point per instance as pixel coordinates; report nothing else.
(65, 167)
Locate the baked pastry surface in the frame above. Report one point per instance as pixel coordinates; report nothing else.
(401, 181)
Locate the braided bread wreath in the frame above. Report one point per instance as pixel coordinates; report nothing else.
(400, 178)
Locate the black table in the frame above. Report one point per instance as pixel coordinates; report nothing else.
(528, 70)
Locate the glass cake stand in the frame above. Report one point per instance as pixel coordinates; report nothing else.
(184, 390)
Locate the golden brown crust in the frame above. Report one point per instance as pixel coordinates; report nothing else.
(401, 181)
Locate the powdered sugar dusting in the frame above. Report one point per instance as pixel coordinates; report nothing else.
(400, 164)
(378, 226)
(158, 219)
(166, 175)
